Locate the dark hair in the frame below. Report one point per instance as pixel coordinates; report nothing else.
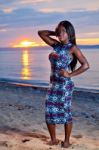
(72, 39)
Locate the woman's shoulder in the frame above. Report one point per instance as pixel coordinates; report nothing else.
(74, 48)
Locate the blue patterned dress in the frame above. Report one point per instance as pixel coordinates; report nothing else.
(59, 95)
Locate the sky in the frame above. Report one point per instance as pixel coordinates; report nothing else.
(20, 20)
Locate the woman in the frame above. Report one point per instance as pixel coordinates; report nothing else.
(63, 61)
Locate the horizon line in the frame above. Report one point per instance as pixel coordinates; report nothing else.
(49, 46)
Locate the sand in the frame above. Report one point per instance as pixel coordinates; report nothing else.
(22, 122)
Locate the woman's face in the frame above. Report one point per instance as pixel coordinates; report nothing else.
(62, 34)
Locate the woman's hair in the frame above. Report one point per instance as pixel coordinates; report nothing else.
(72, 39)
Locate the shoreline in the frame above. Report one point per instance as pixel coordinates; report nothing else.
(41, 85)
(88, 94)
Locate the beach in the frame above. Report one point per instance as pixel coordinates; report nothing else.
(22, 118)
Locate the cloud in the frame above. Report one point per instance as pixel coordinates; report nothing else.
(20, 17)
(28, 17)
(20, 3)
(19, 13)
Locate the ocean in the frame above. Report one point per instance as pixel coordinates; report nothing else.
(31, 65)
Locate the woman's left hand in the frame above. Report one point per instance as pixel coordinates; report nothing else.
(64, 73)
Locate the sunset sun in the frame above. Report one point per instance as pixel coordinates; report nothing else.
(26, 43)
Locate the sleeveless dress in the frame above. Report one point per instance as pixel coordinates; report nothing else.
(59, 94)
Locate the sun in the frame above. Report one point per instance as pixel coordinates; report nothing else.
(27, 43)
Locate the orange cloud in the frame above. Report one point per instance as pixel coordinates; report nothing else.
(8, 10)
(88, 41)
(29, 43)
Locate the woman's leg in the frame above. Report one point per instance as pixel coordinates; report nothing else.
(52, 132)
(67, 128)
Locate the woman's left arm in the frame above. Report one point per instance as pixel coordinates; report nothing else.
(83, 61)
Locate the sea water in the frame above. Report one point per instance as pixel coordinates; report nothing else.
(32, 65)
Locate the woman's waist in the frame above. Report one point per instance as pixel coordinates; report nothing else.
(56, 77)
(57, 74)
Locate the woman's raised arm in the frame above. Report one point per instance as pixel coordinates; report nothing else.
(45, 36)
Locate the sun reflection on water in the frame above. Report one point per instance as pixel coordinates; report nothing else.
(26, 71)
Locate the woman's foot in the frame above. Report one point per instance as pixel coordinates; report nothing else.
(55, 142)
(65, 144)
